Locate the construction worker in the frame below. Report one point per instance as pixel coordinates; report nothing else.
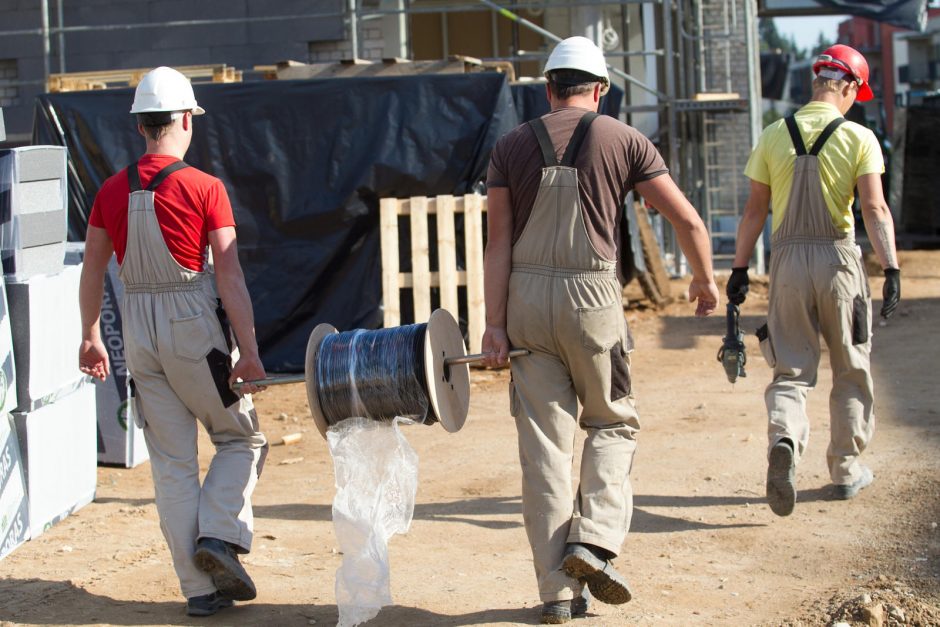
(551, 287)
(806, 167)
(159, 216)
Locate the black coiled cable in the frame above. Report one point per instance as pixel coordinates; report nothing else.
(374, 374)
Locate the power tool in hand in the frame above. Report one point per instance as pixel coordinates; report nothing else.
(731, 354)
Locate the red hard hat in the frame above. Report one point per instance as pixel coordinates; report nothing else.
(849, 60)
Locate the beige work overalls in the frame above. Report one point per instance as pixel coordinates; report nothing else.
(565, 306)
(179, 358)
(818, 285)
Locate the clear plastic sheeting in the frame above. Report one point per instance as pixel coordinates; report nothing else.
(376, 482)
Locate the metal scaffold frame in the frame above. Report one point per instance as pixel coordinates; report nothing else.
(687, 57)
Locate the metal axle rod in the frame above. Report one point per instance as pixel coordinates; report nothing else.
(300, 378)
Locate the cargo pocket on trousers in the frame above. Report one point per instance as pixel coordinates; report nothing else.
(601, 326)
(191, 338)
(220, 366)
(860, 322)
(766, 346)
(513, 400)
(133, 405)
(619, 373)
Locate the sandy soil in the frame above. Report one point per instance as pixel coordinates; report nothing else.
(704, 548)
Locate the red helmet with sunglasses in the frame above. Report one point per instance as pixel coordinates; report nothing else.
(850, 61)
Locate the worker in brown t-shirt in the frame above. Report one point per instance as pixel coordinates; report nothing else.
(551, 287)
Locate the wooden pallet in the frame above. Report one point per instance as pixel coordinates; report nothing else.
(85, 81)
(455, 64)
(448, 277)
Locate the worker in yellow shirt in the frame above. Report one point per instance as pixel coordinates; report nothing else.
(807, 167)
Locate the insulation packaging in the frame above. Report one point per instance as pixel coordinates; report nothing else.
(33, 205)
(57, 442)
(120, 440)
(46, 325)
(14, 507)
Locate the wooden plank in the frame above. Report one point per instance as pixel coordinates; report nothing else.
(391, 298)
(473, 207)
(656, 282)
(447, 253)
(420, 262)
(404, 279)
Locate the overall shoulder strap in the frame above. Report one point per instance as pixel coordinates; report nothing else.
(545, 142)
(574, 144)
(795, 136)
(133, 177)
(162, 174)
(826, 134)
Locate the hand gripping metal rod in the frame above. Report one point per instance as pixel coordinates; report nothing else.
(300, 378)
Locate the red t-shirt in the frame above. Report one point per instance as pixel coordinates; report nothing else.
(188, 204)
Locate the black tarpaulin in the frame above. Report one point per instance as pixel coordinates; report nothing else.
(304, 163)
(531, 102)
(774, 67)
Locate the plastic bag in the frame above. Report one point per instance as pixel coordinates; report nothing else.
(376, 482)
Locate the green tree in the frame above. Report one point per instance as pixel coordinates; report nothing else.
(821, 44)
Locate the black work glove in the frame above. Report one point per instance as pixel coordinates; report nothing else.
(891, 292)
(737, 285)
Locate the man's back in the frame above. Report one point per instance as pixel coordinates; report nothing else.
(852, 151)
(612, 159)
(188, 205)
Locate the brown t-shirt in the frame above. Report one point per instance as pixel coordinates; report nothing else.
(613, 158)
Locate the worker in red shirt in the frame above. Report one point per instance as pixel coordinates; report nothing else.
(160, 216)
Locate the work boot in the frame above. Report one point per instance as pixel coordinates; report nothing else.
(605, 583)
(556, 612)
(579, 604)
(219, 560)
(850, 490)
(207, 604)
(781, 479)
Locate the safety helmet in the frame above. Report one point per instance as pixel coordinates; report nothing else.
(165, 89)
(580, 53)
(850, 61)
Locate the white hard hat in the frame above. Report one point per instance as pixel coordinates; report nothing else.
(165, 89)
(579, 53)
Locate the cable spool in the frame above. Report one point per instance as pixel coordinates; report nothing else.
(389, 372)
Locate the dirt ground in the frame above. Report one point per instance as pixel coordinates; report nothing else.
(704, 548)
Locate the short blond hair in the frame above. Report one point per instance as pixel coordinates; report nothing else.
(834, 85)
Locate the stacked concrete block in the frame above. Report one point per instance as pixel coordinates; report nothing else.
(33, 201)
(8, 400)
(55, 416)
(46, 324)
(120, 440)
(57, 441)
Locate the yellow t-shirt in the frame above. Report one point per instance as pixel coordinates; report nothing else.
(852, 151)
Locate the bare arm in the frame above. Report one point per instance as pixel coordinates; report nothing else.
(497, 265)
(878, 221)
(752, 223)
(692, 235)
(92, 355)
(237, 303)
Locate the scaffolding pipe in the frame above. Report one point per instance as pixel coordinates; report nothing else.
(354, 28)
(552, 36)
(44, 9)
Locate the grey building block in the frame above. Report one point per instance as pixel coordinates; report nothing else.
(46, 327)
(20, 264)
(34, 163)
(40, 229)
